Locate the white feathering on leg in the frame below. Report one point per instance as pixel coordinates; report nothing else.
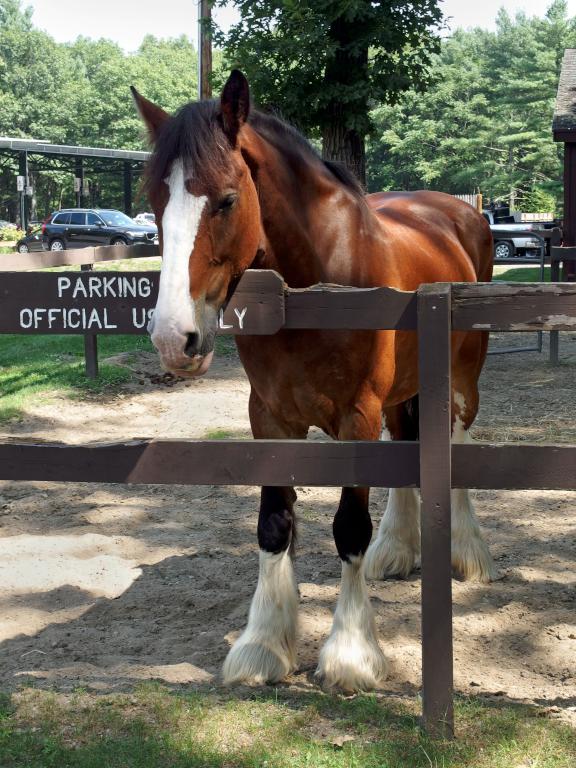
(396, 548)
(471, 558)
(351, 658)
(266, 650)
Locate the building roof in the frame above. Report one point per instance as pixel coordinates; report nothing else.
(38, 147)
(564, 122)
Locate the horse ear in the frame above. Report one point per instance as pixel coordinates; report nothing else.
(154, 117)
(235, 104)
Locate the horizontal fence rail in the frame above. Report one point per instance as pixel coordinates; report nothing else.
(513, 306)
(505, 466)
(21, 262)
(122, 302)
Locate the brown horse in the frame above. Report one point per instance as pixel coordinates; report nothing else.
(232, 189)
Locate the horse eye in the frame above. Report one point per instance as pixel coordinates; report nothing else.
(227, 202)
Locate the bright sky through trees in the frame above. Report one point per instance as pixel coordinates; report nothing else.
(128, 21)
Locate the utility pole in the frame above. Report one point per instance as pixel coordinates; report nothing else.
(204, 49)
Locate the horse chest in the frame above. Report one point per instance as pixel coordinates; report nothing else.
(317, 375)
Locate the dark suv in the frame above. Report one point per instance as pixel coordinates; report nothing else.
(80, 227)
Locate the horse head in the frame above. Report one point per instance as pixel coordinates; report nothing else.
(206, 204)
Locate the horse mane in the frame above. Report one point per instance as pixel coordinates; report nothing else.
(195, 134)
(277, 131)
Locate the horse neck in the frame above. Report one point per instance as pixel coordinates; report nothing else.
(315, 228)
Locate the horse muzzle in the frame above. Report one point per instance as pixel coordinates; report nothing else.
(188, 367)
(184, 354)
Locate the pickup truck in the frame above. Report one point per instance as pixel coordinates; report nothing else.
(513, 247)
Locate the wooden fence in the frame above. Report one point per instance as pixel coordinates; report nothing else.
(87, 257)
(262, 304)
(475, 200)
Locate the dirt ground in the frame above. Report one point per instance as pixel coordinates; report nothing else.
(103, 586)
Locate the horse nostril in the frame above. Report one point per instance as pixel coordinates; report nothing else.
(192, 344)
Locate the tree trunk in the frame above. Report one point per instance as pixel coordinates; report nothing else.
(345, 146)
(345, 75)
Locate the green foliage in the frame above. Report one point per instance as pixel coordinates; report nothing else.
(327, 65)
(78, 93)
(287, 50)
(486, 122)
(9, 234)
(321, 63)
(537, 200)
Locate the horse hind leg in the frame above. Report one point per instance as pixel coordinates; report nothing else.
(396, 549)
(471, 559)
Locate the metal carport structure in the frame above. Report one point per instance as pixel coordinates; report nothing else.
(78, 159)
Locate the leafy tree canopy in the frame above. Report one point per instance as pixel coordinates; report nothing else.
(486, 122)
(483, 122)
(78, 93)
(322, 63)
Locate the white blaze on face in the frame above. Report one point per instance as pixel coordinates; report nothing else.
(174, 316)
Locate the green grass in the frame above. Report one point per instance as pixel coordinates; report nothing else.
(153, 727)
(523, 275)
(225, 434)
(129, 265)
(219, 434)
(34, 367)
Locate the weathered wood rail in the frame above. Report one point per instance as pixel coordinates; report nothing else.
(262, 304)
(22, 262)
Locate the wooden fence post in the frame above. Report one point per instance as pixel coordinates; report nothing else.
(434, 322)
(558, 255)
(90, 343)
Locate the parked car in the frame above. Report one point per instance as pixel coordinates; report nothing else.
(81, 227)
(509, 247)
(31, 242)
(7, 224)
(145, 218)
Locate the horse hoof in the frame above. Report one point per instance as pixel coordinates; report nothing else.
(472, 561)
(389, 556)
(256, 664)
(350, 667)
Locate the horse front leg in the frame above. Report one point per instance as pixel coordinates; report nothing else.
(266, 650)
(351, 658)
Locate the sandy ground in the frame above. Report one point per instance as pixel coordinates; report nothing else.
(103, 586)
